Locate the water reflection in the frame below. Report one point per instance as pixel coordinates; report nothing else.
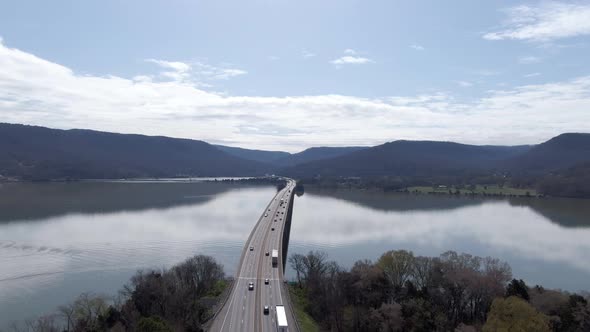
(95, 235)
(20, 201)
(351, 225)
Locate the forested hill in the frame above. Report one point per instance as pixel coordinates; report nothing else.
(411, 158)
(558, 167)
(316, 153)
(561, 152)
(37, 153)
(280, 158)
(263, 156)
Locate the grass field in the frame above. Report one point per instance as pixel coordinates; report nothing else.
(306, 323)
(478, 190)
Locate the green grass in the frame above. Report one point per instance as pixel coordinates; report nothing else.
(306, 322)
(478, 189)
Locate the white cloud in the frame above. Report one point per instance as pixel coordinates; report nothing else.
(196, 72)
(417, 47)
(528, 60)
(39, 92)
(544, 22)
(464, 84)
(306, 54)
(532, 75)
(347, 59)
(487, 72)
(351, 57)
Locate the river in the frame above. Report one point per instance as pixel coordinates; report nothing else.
(58, 240)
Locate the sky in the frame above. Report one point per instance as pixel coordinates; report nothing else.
(291, 74)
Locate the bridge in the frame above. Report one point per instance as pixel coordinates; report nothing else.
(244, 308)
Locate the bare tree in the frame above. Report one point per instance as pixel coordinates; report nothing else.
(297, 264)
(67, 312)
(397, 266)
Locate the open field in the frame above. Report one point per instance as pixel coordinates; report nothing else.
(483, 190)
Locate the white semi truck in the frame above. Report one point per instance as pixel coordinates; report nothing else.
(281, 319)
(275, 258)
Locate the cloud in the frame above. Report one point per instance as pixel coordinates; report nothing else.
(273, 58)
(528, 60)
(417, 47)
(347, 59)
(40, 92)
(487, 72)
(351, 57)
(464, 84)
(544, 22)
(196, 72)
(306, 54)
(532, 75)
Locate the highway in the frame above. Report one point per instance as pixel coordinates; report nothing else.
(243, 310)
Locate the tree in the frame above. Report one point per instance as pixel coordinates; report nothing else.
(422, 271)
(387, 318)
(397, 266)
(513, 314)
(518, 288)
(296, 261)
(67, 312)
(153, 324)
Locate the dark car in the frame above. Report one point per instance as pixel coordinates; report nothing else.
(266, 253)
(266, 281)
(272, 229)
(251, 248)
(266, 310)
(251, 286)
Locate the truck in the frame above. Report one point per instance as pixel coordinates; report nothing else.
(281, 319)
(275, 258)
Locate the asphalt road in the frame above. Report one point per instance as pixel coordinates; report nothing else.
(243, 310)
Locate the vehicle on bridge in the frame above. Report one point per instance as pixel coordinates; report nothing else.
(281, 319)
(275, 258)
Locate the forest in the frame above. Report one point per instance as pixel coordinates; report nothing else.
(451, 292)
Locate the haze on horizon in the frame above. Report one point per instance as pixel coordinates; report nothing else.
(288, 75)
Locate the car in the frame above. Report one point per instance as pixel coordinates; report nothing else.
(251, 248)
(266, 281)
(266, 215)
(266, 253)
(272, 229)
(266, 310)
(251, 286)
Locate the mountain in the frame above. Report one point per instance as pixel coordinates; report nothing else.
(280, 158)
(37, 153)
(560, 152)
(316, 153)
(263, 156)
(410, 158)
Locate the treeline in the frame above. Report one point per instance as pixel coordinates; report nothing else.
(572, 183)
(177, 299)
(452, 292)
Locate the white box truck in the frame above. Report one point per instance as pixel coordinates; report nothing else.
(281, 319)
(275, 258)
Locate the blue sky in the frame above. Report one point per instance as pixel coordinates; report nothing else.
(292, 74)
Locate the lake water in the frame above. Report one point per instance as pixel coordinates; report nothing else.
(60, 239)
(546, 241)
